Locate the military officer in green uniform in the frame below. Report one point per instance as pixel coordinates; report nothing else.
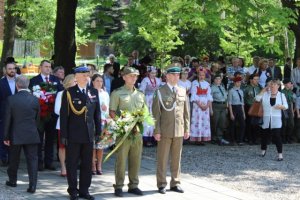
(250, 91)
(288, 123)
(172, 121)
(220, 110)
(127, 98)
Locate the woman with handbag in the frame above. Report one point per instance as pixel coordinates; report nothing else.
(273, 103)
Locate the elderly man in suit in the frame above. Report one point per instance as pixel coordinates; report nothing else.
(20, 131)
(47, 125)
(171, 113)
(7, 88)
(80, 122)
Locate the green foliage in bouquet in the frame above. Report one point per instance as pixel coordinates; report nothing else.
(129, 125)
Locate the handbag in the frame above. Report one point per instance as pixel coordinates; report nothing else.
(284, 113)
(256, 109)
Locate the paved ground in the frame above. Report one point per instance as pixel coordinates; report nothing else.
(209, 173)
(53, 187)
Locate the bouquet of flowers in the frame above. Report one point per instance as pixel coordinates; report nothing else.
(46, 94)
(127, 125)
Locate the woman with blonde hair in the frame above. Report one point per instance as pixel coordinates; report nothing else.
(98, 83)
(273, 102)
(68, 82)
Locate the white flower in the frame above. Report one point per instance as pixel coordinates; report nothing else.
(36, 88)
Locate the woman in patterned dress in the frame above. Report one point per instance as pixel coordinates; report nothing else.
(202, 101)
(148, 85)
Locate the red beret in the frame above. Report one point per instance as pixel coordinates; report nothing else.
(237, 78)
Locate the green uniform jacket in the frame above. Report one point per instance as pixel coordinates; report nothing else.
(171, 123)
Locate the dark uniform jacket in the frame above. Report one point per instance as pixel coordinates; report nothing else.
(80, 128)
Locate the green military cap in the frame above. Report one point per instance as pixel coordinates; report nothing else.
(173, 70)
(130, 70)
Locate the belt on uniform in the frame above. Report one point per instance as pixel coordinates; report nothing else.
(219, 102)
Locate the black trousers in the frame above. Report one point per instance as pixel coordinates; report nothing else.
(76, 152)
(238, 119)
(47, 133)
(30, 151)
(287, 127)
(252, 130)
(275, 135)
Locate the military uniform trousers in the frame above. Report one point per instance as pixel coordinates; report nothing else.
(219, 121)
(252, 130)
(287, 126)
(166, 147)
(237, 136)
(75, 151)
(133, 151)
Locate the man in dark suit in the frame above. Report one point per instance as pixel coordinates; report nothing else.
(7, 88)
(47, 125)
(116, 66)
(275, 71)
(79, 124)
(20, 131)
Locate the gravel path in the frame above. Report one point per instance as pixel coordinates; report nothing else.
(241, 168)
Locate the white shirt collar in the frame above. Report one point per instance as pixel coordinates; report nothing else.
(44, 77)
(171, 87)
(81, 88)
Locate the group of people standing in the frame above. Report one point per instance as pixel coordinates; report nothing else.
(192, 100)
(82, 105)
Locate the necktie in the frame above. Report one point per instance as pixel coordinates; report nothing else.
(240, 96)
(254, 93)
(174, 90)
(221, 90)
(83, 91)
(47, 79)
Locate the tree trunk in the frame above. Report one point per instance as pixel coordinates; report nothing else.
(294, 27)
(9, 32)
(64, 35)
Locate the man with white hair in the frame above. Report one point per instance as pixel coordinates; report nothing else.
(112, 61)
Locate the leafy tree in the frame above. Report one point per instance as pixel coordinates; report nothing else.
(10, 21)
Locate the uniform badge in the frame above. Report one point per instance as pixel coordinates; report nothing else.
(77, 91)
(79, 102)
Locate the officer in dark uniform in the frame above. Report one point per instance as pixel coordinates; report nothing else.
(79, 124)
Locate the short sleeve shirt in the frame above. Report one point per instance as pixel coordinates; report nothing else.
(126, 100)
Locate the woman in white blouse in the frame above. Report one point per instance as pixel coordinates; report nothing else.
(98, 83)
(273, 103)
(69, 81)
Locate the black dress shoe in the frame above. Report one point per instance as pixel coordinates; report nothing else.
(31, 189)
(74, 197)
(86, 196)
(11, 184)
(135, 191)
(50, 167)
(119, 192)
(162, 190)
(279, 159)
(177, 189)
